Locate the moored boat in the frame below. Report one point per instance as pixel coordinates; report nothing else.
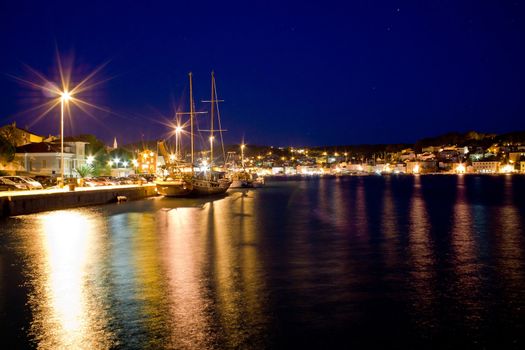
(174, 187)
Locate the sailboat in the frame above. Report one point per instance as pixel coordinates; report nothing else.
(207, 181)
(182, 179)
(177, 183)
(240, 178)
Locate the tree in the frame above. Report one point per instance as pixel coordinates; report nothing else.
(7, 150)
(12, 134)
(94, 146)
(84, 170)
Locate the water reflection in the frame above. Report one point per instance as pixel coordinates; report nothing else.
(365, 261)
(422, 261)
(389, 226)
(237, 271)
(509, 245)
(183, 257)
(466, 287)
(66, 307)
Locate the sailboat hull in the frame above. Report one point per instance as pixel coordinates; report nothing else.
(177, 188)
(208, 187)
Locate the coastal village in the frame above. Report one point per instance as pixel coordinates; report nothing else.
(23, 152)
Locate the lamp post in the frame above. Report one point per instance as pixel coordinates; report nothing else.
(65, 96)
(178, 130)
(242, 155)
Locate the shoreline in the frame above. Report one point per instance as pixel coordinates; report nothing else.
(29, 202)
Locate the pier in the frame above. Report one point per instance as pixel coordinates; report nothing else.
(29, 202)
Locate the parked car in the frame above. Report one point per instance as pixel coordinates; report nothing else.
(107, 180)
(29, 183)
(46, 180)
(8, 185)
(149, 177)
(137, 179)
(125, 181)
(94, 182)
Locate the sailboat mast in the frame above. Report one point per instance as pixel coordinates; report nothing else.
(212, 117)
(191, 120)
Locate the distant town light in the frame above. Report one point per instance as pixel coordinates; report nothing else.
(460, 169)
(507, 169)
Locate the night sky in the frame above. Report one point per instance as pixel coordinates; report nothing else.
(290, 72)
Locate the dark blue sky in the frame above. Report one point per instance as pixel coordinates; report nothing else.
(290, 72)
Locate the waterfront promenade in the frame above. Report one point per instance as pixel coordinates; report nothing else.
(26, 202)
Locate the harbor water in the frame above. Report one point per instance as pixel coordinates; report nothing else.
(397, 262)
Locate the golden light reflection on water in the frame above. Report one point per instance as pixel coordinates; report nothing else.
(237, 272)
(182, 256)
(149, 276)
(66, 316)
(361, 214)
(422, 262)
(389, 226)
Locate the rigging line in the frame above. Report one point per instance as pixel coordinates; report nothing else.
(220, 126)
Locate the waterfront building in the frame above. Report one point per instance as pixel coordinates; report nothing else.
(421, 167)
(400, 168)
(488, 167)
(522, 167)
(308, 169)
(147, 162)
(18, 136)
(44, 158)
(277, 170)
(515, 157)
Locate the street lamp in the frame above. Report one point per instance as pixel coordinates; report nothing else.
(242, 155)
(178, 130)
(65, 96)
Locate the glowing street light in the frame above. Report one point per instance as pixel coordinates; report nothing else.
(90, 160)
(65, 96)
(63, 93)
(242, 154)
(125, 164)
(178, 130)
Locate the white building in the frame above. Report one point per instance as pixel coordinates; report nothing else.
(44, 158)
